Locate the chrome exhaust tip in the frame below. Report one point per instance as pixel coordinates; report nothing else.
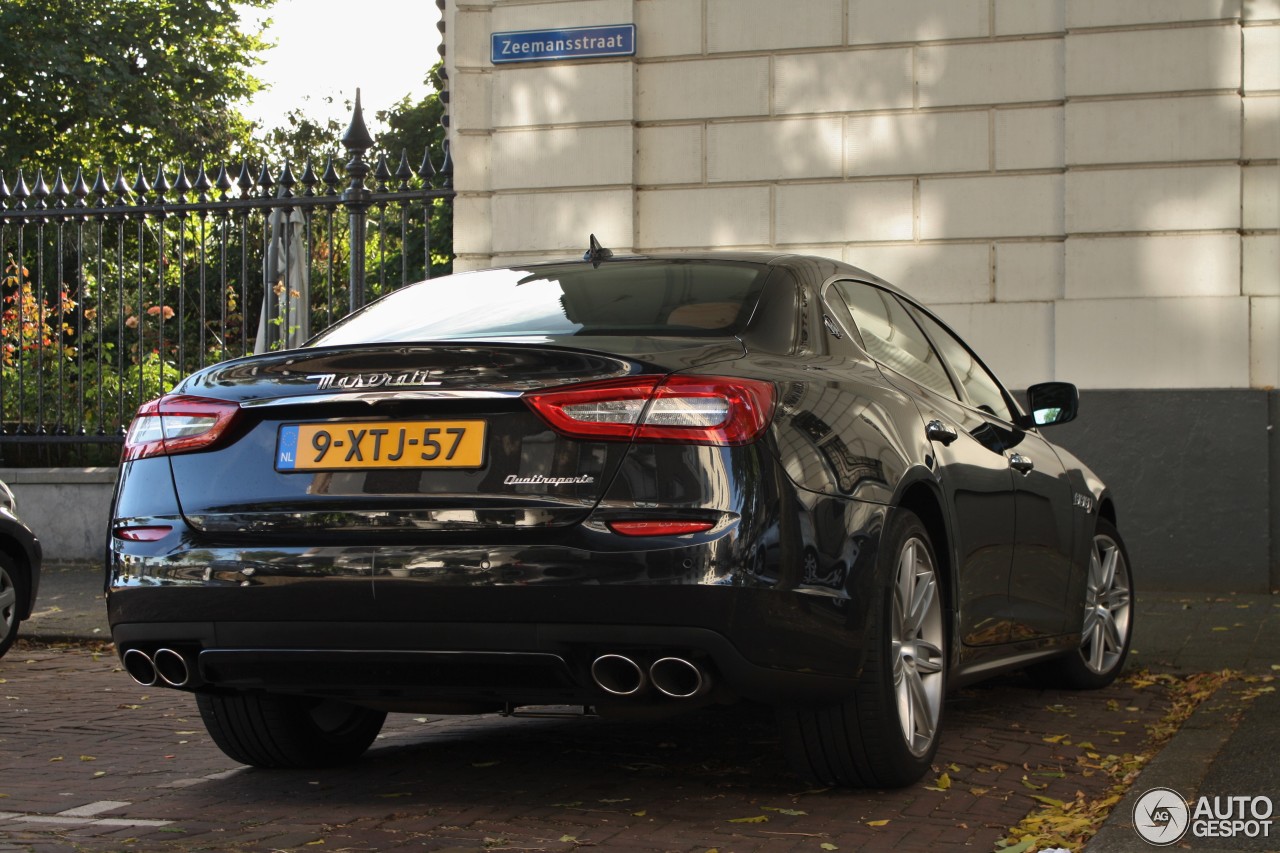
(172, 667)
(139, 666)
(618, 675)
(679, 678)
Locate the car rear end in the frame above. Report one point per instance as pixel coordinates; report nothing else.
(567, 500)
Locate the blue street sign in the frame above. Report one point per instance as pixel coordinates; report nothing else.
(572, 43)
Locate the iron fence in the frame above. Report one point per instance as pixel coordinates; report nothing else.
(115, 290)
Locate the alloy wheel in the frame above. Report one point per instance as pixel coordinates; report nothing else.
(1105, 633)
(917, 638)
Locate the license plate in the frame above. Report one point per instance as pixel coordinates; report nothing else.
(359, 445)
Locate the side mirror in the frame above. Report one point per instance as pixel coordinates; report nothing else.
(1052, 403)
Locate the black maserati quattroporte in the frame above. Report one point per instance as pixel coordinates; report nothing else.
(653, 482)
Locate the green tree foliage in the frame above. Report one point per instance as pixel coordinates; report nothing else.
(409, 127)
(415, 128)
(116, 82)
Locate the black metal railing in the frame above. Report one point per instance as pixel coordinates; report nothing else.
(115, 290)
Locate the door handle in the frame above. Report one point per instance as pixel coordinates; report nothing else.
(936, 430)
(1021, 463)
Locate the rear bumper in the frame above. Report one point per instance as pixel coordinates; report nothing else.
(466, 663)
(519, 625)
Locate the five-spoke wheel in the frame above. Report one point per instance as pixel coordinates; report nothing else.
(1107, 626)
(886, 733)
(917, 644)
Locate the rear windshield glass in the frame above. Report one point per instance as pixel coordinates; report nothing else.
(671, 298)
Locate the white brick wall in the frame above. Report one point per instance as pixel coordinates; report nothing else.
(1261, 260)
(1261, 196)
(1190, 59)
(1262, 59)
(877, 22)
(562, 94)
(472, 231)
(918, 143)
(561, 221)
(1178, 199)
(670, 27)
(1012, 206)
(934, 273)
(742, 25)
(844, 213)
(1110, 13)
(1029, 138)
(1198, 342)
(1261, 10)
(703, 89)
(985, 73)
(1047, 171)
(772, 150)
(562, 157)
(508, 17)
(471, 162)
(1264, 332)
(1014, 17)
(670, 154)
(848, 81)
(1262, 128)
(1159, 130)
(1178, 265)
(703, 218)
(1030, 272)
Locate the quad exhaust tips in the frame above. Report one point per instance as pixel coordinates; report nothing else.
(618, 675)
(679, 678)
(139, 666)
(165, 665)
(673, 677)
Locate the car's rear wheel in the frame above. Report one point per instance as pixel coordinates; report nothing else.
(887, 733)
(268, 730)
(1107, 629)
(12, 595)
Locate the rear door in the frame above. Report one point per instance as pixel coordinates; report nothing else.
(971, 466)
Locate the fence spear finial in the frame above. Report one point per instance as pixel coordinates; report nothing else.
(357, 137)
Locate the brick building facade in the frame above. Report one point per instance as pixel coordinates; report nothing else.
(1086, 189)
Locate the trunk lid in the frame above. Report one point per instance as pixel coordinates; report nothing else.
(399, 439)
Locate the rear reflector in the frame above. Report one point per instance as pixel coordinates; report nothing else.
(142, 534)
(674, 527)
(713, 410)
(177, 424)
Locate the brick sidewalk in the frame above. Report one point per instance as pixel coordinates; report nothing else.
(90, 761)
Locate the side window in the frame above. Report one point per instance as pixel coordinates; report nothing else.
(981, 387)
(892, 337)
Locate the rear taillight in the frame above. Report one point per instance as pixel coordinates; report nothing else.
(714, 410)
(177, 424)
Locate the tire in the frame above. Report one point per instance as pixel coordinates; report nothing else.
(886, 735)
(272, 731)
(1107, 629)
(13, 594)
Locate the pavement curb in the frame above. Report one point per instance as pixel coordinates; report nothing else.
(1182, 764)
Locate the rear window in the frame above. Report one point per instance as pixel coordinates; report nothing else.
(671, 298)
